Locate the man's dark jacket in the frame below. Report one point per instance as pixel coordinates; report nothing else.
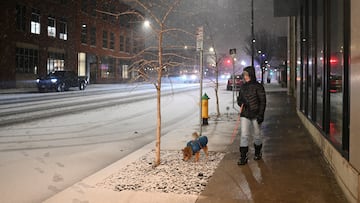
(252, 96)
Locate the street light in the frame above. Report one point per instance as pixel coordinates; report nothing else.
(243, 63)
(146, 24)
(263, 63)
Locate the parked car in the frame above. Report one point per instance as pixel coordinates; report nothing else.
(335, 83)
(60, 81)
(238, 82)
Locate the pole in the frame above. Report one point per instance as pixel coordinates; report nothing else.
(233, 84)
(252, 34)
(201, 88)
(200, 48)
(233, 54)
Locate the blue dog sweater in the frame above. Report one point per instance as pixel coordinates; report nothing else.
(198, 144)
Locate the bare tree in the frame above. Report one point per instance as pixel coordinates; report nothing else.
(147, 61)
(216, 62)
(265, 46)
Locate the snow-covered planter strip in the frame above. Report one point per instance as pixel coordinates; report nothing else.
(173, 175)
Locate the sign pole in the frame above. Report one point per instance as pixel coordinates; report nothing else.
(199, 47)
(232, 53)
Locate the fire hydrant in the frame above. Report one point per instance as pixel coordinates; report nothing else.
(205, 109)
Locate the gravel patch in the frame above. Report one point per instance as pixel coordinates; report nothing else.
(173, 175)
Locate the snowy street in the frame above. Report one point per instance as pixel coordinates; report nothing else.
(43, 156)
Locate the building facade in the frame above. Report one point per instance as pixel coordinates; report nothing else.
(38, 37)
(323, 60)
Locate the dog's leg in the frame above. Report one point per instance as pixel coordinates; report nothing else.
(206, 152)
(197, 156)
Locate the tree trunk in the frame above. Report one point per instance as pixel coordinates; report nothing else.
(158, 91)
(217, 89)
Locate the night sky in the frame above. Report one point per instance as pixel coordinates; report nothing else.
(228, 21)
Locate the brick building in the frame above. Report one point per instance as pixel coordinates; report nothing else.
(38, 37)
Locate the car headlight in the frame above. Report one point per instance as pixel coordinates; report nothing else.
(54, 80)
(37, 80)
(193, 77)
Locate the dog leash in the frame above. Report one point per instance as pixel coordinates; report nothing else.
(235, 129)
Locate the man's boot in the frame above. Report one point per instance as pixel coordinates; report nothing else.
(258, 153)
(243, 155)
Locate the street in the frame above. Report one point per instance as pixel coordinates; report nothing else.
(56, 139)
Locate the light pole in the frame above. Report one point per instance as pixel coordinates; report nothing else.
(232, 53)
(200, 47)
(252, 34)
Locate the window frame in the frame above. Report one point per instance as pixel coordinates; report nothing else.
(51, 28)
(35, 22)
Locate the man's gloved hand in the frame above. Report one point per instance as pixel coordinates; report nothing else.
(260, 119)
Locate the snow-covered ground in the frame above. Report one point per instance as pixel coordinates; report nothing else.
(40, 158)
(173, 175)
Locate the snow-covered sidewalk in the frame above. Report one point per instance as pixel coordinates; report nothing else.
(133, 179)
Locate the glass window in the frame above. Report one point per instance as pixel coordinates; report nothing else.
(127, 44)
(55, 62)
(26, 60)
(105, 39)
(112, 41)
(310, 58)
(35, 22)
(93, 36)
(20, 17)
(125, 71)
(93, 7)
(84, 6)
(63, 30)
(107, 67)
(303, 55)
(51, 27)
(84, 33)
(105, 7)
(336, 70)
(122, 43)
(320, 63)
(111, 70)
(135, 47)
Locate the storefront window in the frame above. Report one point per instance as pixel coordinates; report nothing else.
(303, 53)
(55, 61)
(310, 58)
(107, 67)
(320, 64)
(26, 60)
(336, 71)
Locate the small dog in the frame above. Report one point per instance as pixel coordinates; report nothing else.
(194, 146)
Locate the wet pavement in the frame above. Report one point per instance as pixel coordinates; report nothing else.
(292, 168)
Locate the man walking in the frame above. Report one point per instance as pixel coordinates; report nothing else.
(252, 102)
